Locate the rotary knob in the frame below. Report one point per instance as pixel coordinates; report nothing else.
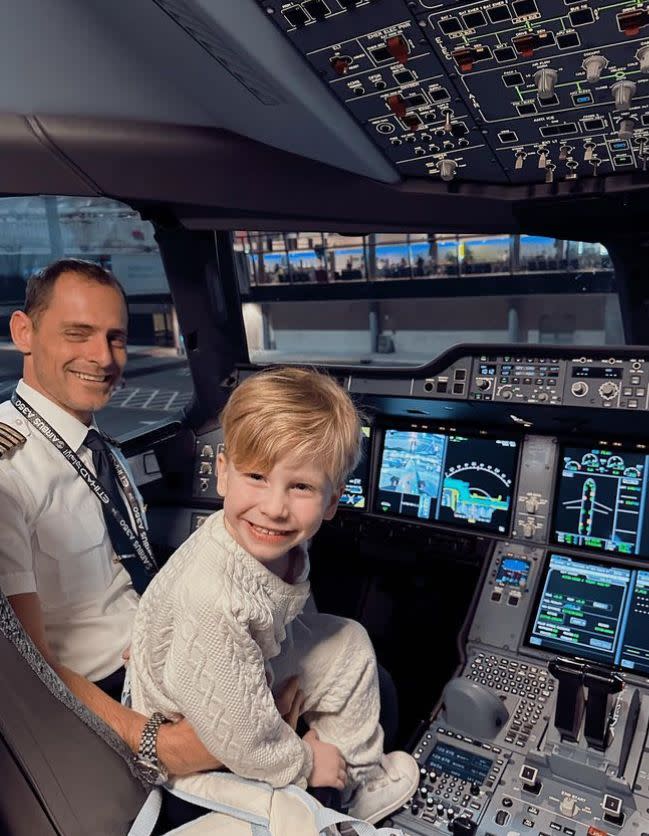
(579, 388)
(642, 56)
(545, 79)
(608, 390)
(568, 807)
(625, 128)
(447, 169)
(483, 383)
(531, 504)
(506, 394)
(623, 91)
(593, 65)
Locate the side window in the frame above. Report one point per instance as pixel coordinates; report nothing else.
(34, 231)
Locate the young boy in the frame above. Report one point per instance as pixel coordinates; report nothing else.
(222, 624)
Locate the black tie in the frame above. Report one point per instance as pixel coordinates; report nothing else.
(107, 476)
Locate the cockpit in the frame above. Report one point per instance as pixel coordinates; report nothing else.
(494, 538)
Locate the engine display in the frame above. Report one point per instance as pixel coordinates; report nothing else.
(600, 500)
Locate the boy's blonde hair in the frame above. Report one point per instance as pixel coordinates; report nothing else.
(289, 411)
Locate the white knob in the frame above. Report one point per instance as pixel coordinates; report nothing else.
(545, 80)
(625, 128)
(568, 806)
(642, 55)
(447, 169)
(531, 505)
(594, 65)
(623, 91)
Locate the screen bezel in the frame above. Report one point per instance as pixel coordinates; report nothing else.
(557, 481)
(366, 460)
(540, 586)
(446, 431)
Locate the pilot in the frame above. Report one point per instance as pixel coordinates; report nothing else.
(59, 565)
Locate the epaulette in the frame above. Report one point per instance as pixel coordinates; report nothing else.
(10, 439)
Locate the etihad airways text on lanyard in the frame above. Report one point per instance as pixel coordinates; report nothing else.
(139, 541)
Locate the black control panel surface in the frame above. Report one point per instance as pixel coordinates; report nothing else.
(506, 91)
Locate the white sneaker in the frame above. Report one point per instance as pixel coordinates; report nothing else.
(389, 786)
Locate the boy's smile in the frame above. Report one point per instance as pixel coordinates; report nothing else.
(270, 513)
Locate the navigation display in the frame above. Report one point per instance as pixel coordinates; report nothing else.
(600, 500)
(594, 611)
(449, 478)
(355, 493)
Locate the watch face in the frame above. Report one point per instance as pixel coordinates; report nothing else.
(151, 772)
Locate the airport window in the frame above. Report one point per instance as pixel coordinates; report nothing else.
(320, 258)
(403, 298)
(35, 231)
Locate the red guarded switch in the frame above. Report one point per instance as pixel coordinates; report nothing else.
(398, 48)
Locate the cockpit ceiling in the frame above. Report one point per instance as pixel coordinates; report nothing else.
(248, 113)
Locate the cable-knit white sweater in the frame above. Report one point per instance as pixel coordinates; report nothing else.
(205, 627)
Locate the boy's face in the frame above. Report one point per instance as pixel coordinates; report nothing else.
(269, 513)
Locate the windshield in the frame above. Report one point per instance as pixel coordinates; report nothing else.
(395, 299)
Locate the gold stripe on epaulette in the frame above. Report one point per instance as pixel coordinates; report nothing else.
(10, 439)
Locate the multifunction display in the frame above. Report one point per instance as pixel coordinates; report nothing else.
(460, 764)
(600, 500)
(594, 611)
(449, 478)
(355, 492)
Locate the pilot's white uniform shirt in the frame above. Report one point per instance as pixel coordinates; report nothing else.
(54, 541)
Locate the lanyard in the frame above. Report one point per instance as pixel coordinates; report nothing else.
(139, 541)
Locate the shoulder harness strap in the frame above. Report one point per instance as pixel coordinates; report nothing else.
(10, 439)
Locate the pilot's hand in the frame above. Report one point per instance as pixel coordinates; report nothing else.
(329, 767)
(181, 751)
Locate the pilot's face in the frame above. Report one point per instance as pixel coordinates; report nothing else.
(270, 513)
(76, 350)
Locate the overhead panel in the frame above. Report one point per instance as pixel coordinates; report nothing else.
(510, 91)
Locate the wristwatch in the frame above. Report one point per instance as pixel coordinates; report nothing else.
(150, 767)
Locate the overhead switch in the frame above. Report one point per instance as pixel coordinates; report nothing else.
(447, 169)
(545, 79)
(464, 57)
(526, 42)
(341, 64)
(398, 48)
(397, 105)
(631, 21)
(623, 91)
(593, 65)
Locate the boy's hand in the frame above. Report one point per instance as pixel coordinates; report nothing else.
(329, 767)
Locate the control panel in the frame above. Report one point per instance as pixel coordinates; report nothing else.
(588, 379)
(535, 734)
(507, 91)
